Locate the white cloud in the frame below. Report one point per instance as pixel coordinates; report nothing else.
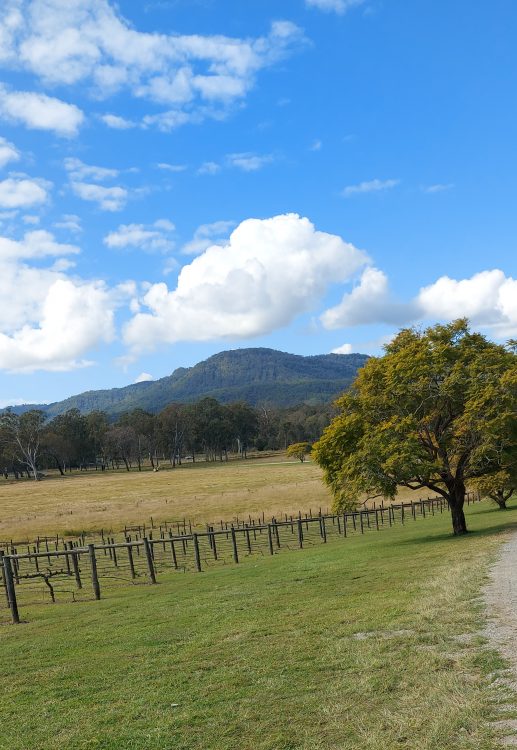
(107, 198)
(371, 186)
(171, 167)
(39, 111)
(369, 302)
(169, 120)
(269, 272)
(8, 152)
(488, 299)
(17, 274)
(438, 188)
(152, 238)
(206, 235)
(88, 42)
(209, 167)
(31, 219)
(117, 123)
(336, 6)
(249, 162)
(144, 377)
(343, 349)
(69, 222)
(50, 320)
(80, 171)
(21, 192)
(316, 146)
(75, 318)
(36, 244)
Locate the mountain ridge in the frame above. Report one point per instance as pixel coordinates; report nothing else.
(255, 375)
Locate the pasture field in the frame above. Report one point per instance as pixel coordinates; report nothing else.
(201, 492)
(368, 643)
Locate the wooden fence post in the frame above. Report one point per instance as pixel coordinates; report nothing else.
(75, 565)
(149, 558)
(131, 561)
(270, 539)
(300, 533)
(197, 556)
(213, 544)
(11, 591)
(277, 535)
(93, 566)
(173, 552)
(234, 546)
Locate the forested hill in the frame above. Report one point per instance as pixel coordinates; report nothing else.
(252, 375)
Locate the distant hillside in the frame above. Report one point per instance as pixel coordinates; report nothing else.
(252, 375)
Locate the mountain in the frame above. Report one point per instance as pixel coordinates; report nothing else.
(253, 375)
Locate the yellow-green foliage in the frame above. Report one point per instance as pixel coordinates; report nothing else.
(436, 411)
(299, 450)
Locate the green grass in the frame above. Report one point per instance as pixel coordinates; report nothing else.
(347, 645)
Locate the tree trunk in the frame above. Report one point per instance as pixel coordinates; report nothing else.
(459, 524)
(500, 499)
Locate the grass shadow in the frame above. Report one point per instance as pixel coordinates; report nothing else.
(504, 521)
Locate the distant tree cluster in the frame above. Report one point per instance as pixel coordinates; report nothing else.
(30, 445)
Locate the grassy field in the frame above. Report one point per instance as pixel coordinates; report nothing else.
(367, 643)
(201, 492)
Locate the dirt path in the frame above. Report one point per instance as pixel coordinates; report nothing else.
(500, 596)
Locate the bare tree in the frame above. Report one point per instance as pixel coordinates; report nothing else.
(21, 434)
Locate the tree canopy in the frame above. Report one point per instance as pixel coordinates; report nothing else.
(437, 411)
(299, 450)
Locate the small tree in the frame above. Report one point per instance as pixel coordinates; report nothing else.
(499, 487)
(437, 411)
(299, 450)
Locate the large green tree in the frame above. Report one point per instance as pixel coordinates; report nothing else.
(437, 411)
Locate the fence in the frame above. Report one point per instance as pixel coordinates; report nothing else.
(72, 570)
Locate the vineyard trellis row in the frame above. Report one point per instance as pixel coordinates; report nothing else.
(78, 570)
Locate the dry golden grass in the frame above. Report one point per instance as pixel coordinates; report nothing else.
(199, 492)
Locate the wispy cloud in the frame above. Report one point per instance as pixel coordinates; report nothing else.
(107, 198)
(80, 171)
(246, 161)
(207, 235)
(117, 123)
(371, 186)
(209, 167)
(438, 188)
(40, 112)
(334, 6)
(8, 152)
(89, 43)
(249, 162)
(151, 238)
(171, 167)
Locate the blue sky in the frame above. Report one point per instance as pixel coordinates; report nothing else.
(181, 177)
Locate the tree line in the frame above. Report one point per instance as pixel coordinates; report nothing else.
(30, 444)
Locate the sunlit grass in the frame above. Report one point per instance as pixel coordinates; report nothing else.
(348, 645)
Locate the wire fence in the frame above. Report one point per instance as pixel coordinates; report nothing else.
(55, 569)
